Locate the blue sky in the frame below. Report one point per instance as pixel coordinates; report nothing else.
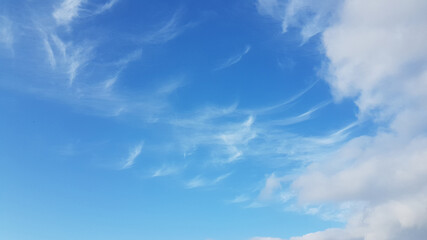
(213, 120)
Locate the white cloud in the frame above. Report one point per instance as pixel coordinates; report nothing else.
(272, 185)
(273, 8)
(50, 54)
(170, 30)
(167, 170)
(234, 59)
(377, 55)
(60, 45)
(133, 154)
(6, 33)
(282, 105)
(73, 57)
(196, 182)
(239, 136)
(301, 117)
(68, 10)
(236, 138)
(106, 6)
(68, 57)
(121, 64)
(199, 181)
(221, 178)
(239, 199)
(311, 16)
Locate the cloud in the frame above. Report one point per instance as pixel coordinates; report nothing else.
(77, 59)
(106, 6)
(196, 182)
(232, 134)
(282, 105)
(133, 154)
(6, 33)
(121, 64)
(378, 58)
(234, 59)
(272, 184)
(167, 170)
(50, 54)
(170, 30)
(310, 16)
(67, 11)
(237, 138)
(221, 178)
(202, 182)
(239, 199)
(69, 57)
(373, 74)
(302, 117)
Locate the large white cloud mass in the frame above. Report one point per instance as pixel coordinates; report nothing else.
(377, 55)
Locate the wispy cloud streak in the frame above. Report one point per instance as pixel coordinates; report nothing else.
(271, 109)
(167, 170)
(170, 30)
(234, 59)
(106, 6)
(202, 182)
(71, 57)
(6, 34)
(50, 54)
(130, 160)
(300, 118)
(67, 11)
(121, 64)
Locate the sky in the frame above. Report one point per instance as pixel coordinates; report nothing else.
(213, 120)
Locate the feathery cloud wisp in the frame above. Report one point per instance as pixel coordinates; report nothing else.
(106, 6)
(202, 182)
(50, 54)
(234, 59)
(166, 170)
(68, 10)
(239, 199)
(133, 154)
(311, 16)
(170, 30)
(6, 34)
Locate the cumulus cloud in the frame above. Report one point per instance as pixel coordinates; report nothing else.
(376, 55)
